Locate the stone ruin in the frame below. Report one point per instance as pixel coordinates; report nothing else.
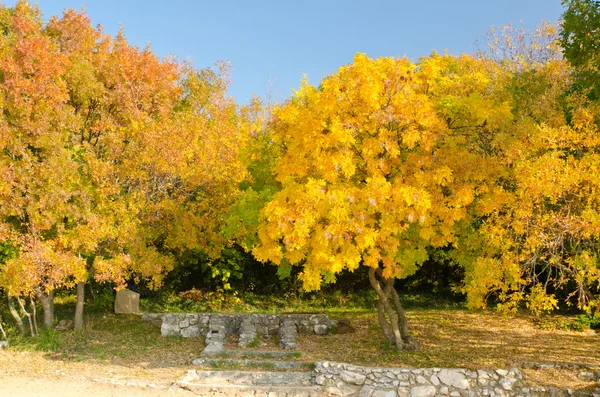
(249, 327)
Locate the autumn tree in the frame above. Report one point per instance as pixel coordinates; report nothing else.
(373, 172)
(539, 238)
(139, 157)
(580, 41)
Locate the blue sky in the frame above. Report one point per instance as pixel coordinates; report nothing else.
(271, 44)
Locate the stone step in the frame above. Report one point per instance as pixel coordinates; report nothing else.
(219, 390)
(248, 334)
(255, 378)
(245, 363)
(274, 354)
(216, 335)
(287, 334)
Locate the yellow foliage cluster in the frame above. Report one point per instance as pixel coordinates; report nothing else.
(386, 158)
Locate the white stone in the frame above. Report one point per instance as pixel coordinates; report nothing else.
(423, 391)
(320, 329)
(320, 380)
(366, 391)
(353, 377)
(169, 329)
(502, 372)
(507, 383)
(434, 380)
(455, 394)
(444, 391)
(384, 393)
(483, 374)
(421, 380)
(348, 390)
(403, 392)
(453, 378)
(190, 332)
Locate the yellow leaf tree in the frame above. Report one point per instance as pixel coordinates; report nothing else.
(373, 171)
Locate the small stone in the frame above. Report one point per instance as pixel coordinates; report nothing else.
(453, 378)
(444, 391)
(348, 390)
(483, 374)
(353, 377)
(434, 380)
(320, 380)
(384, 393)
(421, 380)
(190, 332)
(320, 329)
(455, 394)
(422, 391)
(507, 383)
(586, 376)
(366, 391)
(502, 372)
(403, 392)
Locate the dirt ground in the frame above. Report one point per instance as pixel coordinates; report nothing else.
(27, 374)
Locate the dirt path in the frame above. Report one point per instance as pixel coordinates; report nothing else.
(59, 387)
(33, 374)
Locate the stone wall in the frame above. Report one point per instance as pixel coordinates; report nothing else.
(190, 325)
(347, 380)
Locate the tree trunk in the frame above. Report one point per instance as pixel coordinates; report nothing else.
(2, 330)
(26, 314)
(33, 313)
(392, 319)
(79, 306)
(15, 314)
(47, 301)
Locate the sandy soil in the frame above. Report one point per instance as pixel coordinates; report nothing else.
(27, 374)
(28, 387)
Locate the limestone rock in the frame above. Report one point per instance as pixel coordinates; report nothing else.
(453, 378)
(423, 391)
(127, 302)
(366, 391)
(320, 329)
(353, 377)
(384, 393)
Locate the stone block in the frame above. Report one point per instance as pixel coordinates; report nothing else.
(423, 391)
(127, 302)
(453, 378)
(353, 377)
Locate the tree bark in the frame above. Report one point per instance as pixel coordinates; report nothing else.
(78, 323)
(2, 330)
(47, 301)
(26, 314)
(392, 319)
(33, 313)
(15, 314)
